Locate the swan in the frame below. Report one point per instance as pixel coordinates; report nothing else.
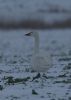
(40, 62)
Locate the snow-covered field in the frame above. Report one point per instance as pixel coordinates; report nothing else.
(16, 80)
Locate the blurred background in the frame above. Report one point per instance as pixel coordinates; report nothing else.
(34, 14)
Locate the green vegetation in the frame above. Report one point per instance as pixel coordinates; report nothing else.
(10, 80)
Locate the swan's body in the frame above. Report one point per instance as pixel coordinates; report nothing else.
(40, 62)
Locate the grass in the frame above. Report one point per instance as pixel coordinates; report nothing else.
(1, 87)
(34, 92)
(68, 81)
(11, 80)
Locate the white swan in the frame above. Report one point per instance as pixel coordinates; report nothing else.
(40, 62)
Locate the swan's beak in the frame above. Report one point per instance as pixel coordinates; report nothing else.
(28, 34)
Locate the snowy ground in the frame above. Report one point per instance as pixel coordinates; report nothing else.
(15, 77)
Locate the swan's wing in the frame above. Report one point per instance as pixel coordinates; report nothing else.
(41, 63)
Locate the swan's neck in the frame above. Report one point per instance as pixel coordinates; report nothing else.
(36, 48)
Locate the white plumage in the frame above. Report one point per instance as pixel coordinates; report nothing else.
(40, 62)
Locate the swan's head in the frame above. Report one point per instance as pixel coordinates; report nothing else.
(32, 34)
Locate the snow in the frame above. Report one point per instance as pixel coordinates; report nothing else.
(15, 54)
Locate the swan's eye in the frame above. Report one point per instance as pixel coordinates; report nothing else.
(29, 34)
